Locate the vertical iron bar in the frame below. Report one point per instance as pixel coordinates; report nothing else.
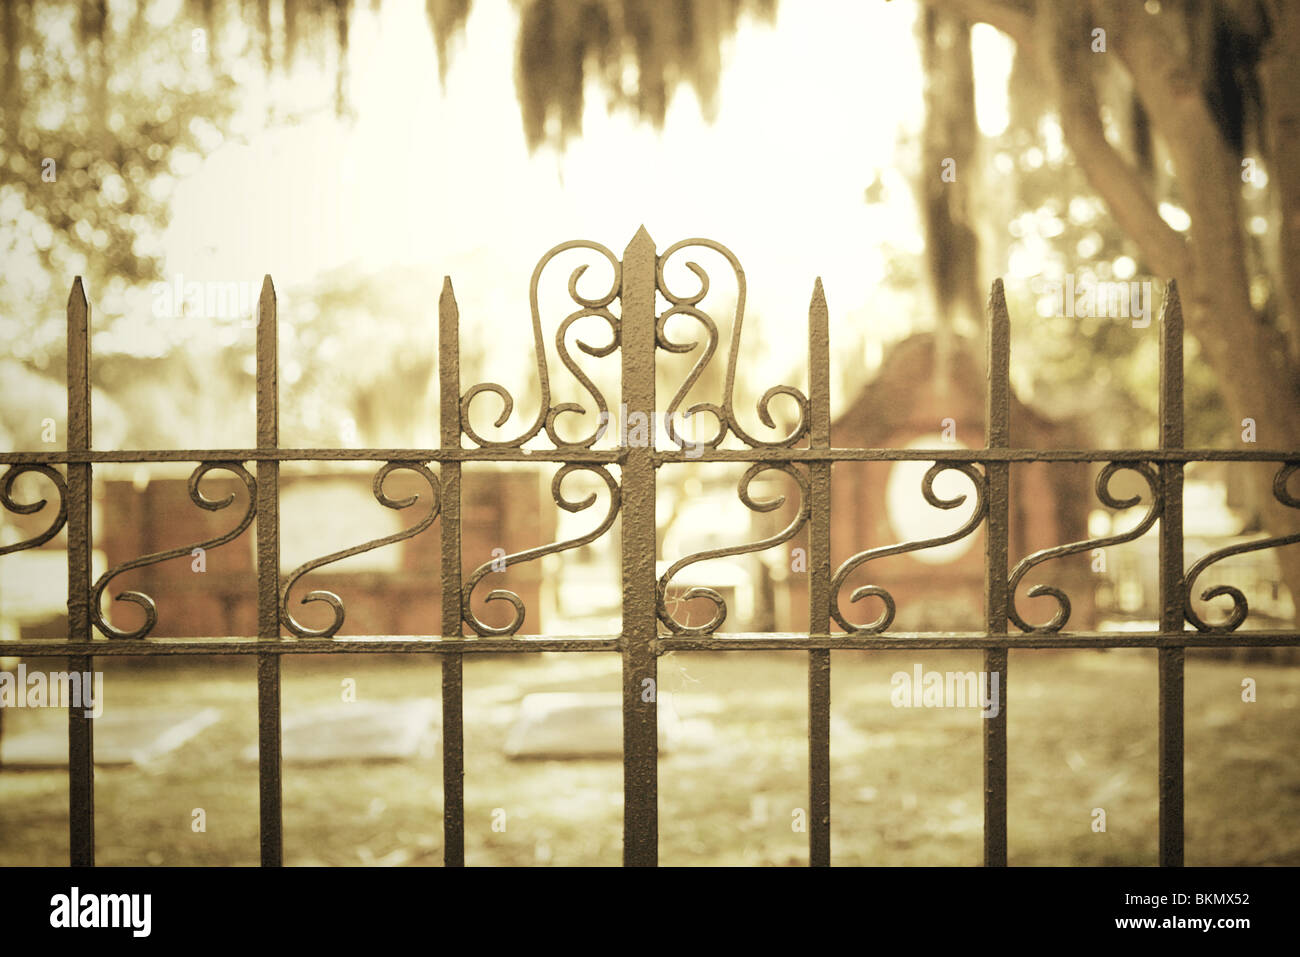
(81, 750)
(997, 435)
(1170, 660)
(268, 582)
(638, 546)
(819, 584)
(453, 730)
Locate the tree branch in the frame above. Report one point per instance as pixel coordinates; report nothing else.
(1064, 44)
(1015, 18)
(1057, 38)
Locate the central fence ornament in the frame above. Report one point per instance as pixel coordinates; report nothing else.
(637, 328)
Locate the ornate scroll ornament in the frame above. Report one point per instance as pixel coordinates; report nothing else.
(329, 597)
(569, 505)
(30, 508)
(1153, 512)
(724, 414)
(886, 618)
(1240, 607)
(202, 501)
(547, 414)
(768, 505)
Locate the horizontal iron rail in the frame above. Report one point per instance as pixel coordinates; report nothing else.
(980, 455)
(616, 456)
(740, 641)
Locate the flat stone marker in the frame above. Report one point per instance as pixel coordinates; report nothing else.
(38, 737)
(358, 731)
(576, 725)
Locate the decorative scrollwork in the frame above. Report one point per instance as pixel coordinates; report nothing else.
(328, 597)
(720, 605)
(1240, 607)
(30, 508)
(717, 411)
(203, 502)
(547, 414)
(886, 618)
(602, 407)
(726, 412)
(569, 505)
(1154, 511)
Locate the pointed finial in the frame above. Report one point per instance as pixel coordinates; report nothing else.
(266, 305)
(448, 310)
(819, 368)
(997, 295)
(818, 314)
(642, 241)
(997, 421)
(78, 294)
(266, 299)
(1172, 302)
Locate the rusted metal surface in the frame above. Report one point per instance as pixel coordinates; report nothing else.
(31, 508)
(81, 728)
(737, 641)
(270, 792)
(660, 456)
(638, 546)
(997, 590)
(626, 479)
(1172, 606)
(819, 582)
(453, 687)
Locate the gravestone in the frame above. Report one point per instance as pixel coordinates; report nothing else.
(576, 725)
(38, 737)
(358, 731)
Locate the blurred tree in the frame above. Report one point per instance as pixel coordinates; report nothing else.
(382, 397)
(88, 156)
(1218, 102)
(948, 176)
(99, 109)
(560, 43)
(669, 42)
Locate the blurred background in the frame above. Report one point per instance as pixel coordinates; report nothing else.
(173, 152)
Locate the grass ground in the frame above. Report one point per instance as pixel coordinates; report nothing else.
(906, 783)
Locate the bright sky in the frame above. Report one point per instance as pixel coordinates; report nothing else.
(807, 112)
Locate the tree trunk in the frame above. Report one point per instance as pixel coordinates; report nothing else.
(949, 143)
(1252, 359)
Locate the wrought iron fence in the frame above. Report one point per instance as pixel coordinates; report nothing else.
(649, 628)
